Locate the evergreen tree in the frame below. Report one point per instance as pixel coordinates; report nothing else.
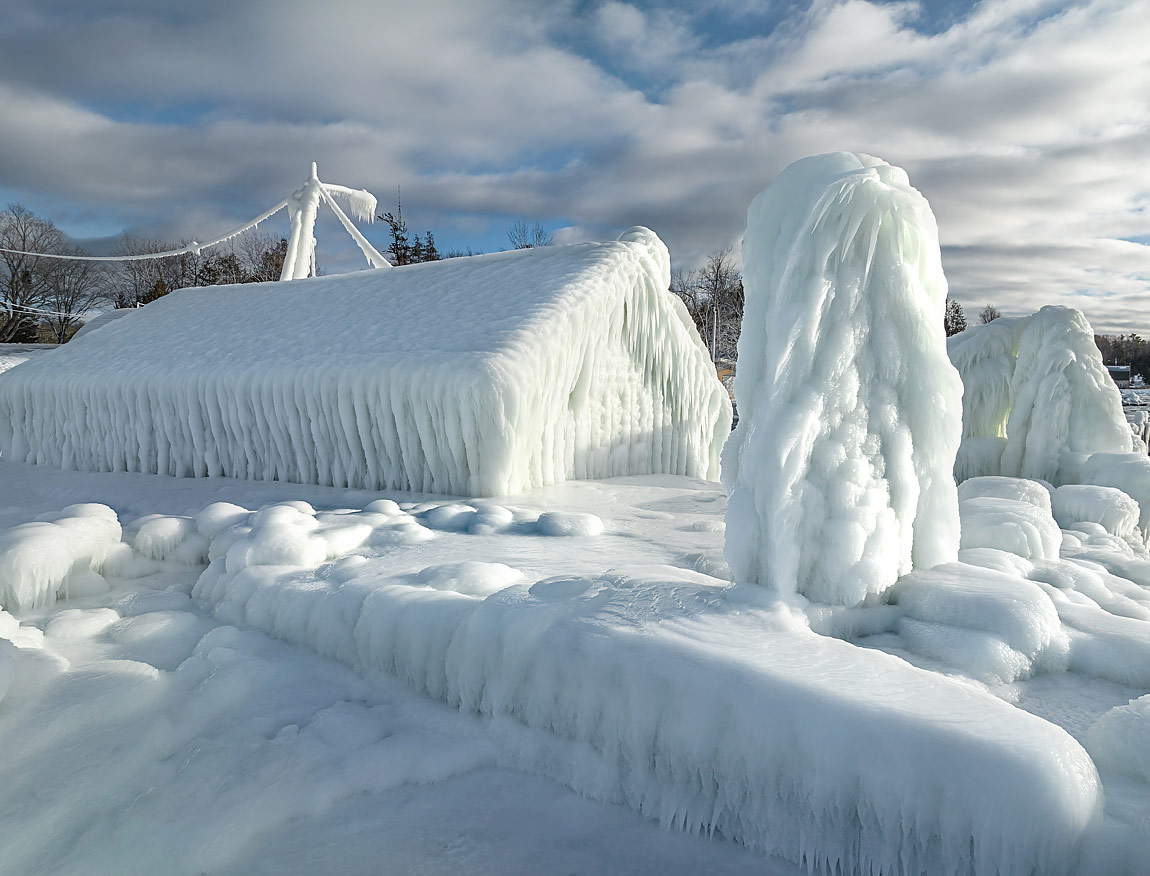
(953, 320)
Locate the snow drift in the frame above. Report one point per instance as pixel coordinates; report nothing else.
(1036, 394)
(476, 376)
(840, 470)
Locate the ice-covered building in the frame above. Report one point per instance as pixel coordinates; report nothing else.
(476, 376)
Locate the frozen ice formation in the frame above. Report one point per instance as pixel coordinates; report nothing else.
(475, 376)
(1008, 514)
(643, 690)
(57, 553)
(1036, 395)
(994, 626)
(1120, 739)
(1109, 507)
(840, 470)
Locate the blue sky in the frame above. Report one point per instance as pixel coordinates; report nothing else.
(1024, 122)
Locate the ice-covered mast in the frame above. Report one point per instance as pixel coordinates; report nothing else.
(302, 207)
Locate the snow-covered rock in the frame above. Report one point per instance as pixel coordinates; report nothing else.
(840, 470)
(478, 376)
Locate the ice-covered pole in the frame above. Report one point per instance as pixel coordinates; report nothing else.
(840, 471)
(302, 206)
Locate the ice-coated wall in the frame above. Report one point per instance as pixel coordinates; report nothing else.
(1036, 395)
(840, 471)
(476, 376)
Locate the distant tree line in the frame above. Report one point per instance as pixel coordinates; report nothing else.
(1128, 349)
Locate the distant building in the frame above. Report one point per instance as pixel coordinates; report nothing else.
(1120, 374)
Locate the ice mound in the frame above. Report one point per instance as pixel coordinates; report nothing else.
(474, 376)
(1119, 741)
(1036, 493)
(471, 578)
(840, 470)
(287, 535)
(569, 523)
(1010, 525)
(1128, 472)
(996, 627)
(1035, 393)
(1110, 508)
(42, 559)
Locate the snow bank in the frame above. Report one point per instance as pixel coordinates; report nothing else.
(840, 470)
(474, 376)
(1035, 392)
(42, 559)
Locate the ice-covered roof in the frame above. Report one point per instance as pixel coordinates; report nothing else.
(480, 375)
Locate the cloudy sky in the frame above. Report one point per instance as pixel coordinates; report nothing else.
(1025, 123)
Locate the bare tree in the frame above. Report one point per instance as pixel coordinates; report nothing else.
(524, 236)
(74, 287)
(139, 281)
(989, 314)
(24, 279)
(261, 256)
(714, 296)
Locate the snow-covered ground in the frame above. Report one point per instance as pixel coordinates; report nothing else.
(246, 718)
(143, 735)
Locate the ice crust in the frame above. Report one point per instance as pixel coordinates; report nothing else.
(1035, 394)
(849, 408)
(475, 376)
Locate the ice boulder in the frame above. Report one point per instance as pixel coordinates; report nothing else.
(474, 376)
(42, 559)
(1035, 395)
(1120, 740)
(840, 470)
(1109, 507)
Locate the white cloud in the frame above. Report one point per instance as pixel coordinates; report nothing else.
(1025, 124)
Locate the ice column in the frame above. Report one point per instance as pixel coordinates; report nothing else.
(840, 472)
